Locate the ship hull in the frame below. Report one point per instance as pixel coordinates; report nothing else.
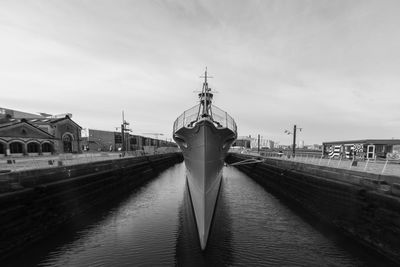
(204, 148)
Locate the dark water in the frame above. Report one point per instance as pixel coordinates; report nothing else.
(154, 226)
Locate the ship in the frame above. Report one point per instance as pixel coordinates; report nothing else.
(204, 133)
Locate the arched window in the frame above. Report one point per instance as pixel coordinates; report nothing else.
(16, 147)
(2, 149)
(46, 147)
(67, 143)
(33, 147)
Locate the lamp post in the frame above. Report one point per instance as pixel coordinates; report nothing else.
(294, 138)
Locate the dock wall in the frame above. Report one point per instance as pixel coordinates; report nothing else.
(47, 198)
(364, 206)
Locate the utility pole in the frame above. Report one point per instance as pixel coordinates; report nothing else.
(124, 130)
(258, 144)
(294, 140)
(122, 138)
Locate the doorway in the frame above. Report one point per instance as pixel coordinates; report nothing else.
(67, 143)
(370, 151)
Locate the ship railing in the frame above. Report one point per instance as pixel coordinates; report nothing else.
(186, 118)
(221, 118)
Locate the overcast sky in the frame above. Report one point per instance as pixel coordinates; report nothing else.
(331, 67)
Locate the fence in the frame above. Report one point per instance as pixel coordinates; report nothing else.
(27, 163)
(387, 167)
(192, 115)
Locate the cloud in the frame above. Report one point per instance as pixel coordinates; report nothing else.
(330, 66)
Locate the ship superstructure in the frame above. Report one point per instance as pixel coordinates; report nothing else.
(204, 133)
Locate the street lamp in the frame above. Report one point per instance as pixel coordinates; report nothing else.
(294, 138)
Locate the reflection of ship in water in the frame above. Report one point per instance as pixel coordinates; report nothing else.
(219, 248)
(205, 134)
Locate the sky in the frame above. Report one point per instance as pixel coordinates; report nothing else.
(329, 67)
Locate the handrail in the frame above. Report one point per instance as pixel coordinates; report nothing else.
(220, 117)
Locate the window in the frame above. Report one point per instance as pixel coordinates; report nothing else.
(46, 147)
(33, 148)
(16, 147)
(379, 148)
(118, 138)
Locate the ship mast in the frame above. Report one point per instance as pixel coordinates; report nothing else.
(206, 97)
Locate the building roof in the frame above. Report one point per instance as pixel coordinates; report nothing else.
(6, 126)
(65, 118)
(41, 121)
(16, 114)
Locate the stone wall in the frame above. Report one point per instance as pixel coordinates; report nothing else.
(49, 197)
(355, 203)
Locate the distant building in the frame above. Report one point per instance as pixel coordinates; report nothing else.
(366, 148)
(301, 144)
(99, 140)
(251, 142)
(314, 147)
(242, 141)
(264, 143)
(23, 134)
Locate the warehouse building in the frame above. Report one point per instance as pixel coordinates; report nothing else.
(28, 134)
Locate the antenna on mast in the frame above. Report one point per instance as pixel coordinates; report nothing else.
(206, 76)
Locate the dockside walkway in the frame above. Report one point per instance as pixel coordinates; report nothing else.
(38, 162)
(383, 167)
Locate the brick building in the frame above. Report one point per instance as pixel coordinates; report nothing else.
(26, 134)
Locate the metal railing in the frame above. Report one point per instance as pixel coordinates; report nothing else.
(222, 118)
(29, 163)
(187, 117)
(383, 167)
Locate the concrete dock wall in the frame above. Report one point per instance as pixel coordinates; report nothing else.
(49, 197)
(363, 206)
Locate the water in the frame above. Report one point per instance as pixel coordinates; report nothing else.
(154, 226)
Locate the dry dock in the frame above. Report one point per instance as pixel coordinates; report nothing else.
(365, 206)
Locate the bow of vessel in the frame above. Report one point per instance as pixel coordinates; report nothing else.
(204, 133)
